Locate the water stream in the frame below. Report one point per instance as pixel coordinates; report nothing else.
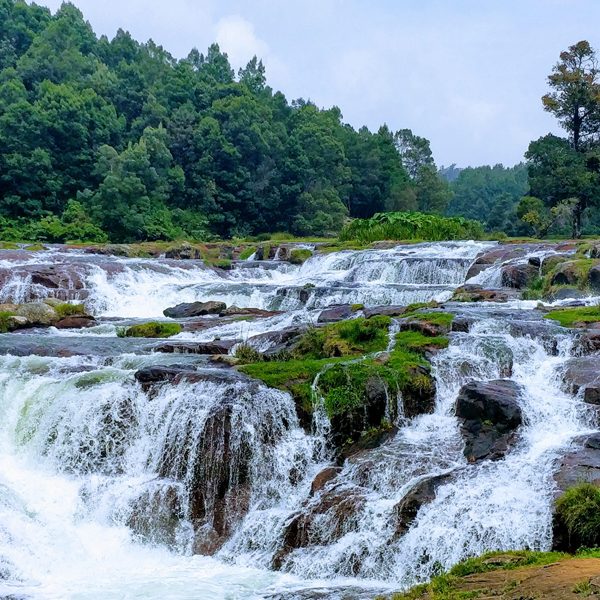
(98, 474)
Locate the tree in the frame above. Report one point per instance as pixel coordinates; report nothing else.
(575, 99)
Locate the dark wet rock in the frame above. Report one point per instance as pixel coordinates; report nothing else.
(340, 506)
(566, 292)
(518, 276)
(424, 327)
(405, 512)
(387, 311)
(335, 313)
(582, 375)
(63, 281)
(462, 324)
(501, 254)
(489, 414)
(76, 322)
(278, 341)
(535, 261)
(215, 347)
(594, 278)
(323, 478)
(154, 375)
(477, 293)
(475, 269)
(195, 309)
(588, 342)
(374, 438)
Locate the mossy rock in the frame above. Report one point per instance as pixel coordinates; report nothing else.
(154, 329)
(574, 272)
(575, 317)
(299, 256)
(66, 309)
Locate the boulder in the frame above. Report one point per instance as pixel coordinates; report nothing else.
(76, 322)
(195, 309)
(423, 326)
(566, 292)
(518, 276)
(477, 293)
(38, 314)
(214, 347)
(582, 375)
(462, 324)
(405, 512)
(234, 311)
(588, 342)
(580, 464)
(323, 478)
(340, 506)
(387, 311)
(274, 342)
(183, 252)
(594, 278)
(335, 313)
(489, 414)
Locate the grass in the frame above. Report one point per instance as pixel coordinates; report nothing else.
(5, 317)
(410, 226)
(415, 341)
(579, 510)
(151, 330)
(247, 252)
(246, 354)
(568, 317)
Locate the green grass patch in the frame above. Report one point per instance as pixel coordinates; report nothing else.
(441, 319)
(579, 510)
(247, 253)
(154, 329)
(568, 317)
(411, 226)
(415, 341)
(5, 317)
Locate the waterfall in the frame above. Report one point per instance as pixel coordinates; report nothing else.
(111, 484)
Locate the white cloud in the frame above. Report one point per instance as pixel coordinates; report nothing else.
(236, 36)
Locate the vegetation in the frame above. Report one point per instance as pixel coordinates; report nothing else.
(154, 329)
(114, 138)
(578, 509)
(569, 317)
(69, 310)
(5, 318)
(411, 226)
(300, 256)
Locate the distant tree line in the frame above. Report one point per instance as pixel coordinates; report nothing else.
(117, 139)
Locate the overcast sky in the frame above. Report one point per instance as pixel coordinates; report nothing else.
(466, 74)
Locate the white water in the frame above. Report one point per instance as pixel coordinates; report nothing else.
(84, 450)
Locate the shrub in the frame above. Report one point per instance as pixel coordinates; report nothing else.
(5, 321)
(300, 256)
(246, 354)
(578, 509)
(153, 330)
(69, 310)
(411, 226)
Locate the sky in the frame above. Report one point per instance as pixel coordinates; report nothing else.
(466, 74)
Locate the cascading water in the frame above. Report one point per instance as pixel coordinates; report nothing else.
(108, 486)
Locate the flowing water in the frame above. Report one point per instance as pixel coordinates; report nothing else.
(98, 473)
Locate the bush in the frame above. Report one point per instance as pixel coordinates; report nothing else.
(411, 226)
(152, 330)
(578, 509)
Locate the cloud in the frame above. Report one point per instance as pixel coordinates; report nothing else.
(236, 36)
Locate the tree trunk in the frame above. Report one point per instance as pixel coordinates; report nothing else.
(577, 212)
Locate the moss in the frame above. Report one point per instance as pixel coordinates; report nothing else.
(572, 272)
(69, 310)
(415, 341)
(441, 319)
(5, 317)
(9, 246)
(153, 330)
(568, 317)
(550, 263)
(357, 307)
(299, 256)
(247, 354)
(578, 509)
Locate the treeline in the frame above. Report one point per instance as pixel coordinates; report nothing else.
(117, 139)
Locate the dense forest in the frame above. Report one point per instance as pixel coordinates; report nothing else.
(115, 139)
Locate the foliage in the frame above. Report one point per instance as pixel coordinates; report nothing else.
(246, 354)
(579, 510)
(299, 256)
(69, 310)
(411, 226)
(156, 148)
(568, 317)
(5, 317)
(153, 330)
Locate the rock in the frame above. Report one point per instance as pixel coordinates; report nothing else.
(215, 347)
(183, 252)
(489, 415)
(234, 311)
(388, 311)
(38, 313)
(588, 342)
(274, 342)
(566, 292)
(8, 307)
(15, 322)
(424, 327)
(518, 276)
(194, 309)
(582, 375)
(323, 478)
(339, 506)
(335, 313)
(405, 512)
(594, 278)
(572, 272)
(418, 396)
(462, 324)
(535, 261)
(476, 293)
(76, 322)
(553, 260)
(63, 281)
